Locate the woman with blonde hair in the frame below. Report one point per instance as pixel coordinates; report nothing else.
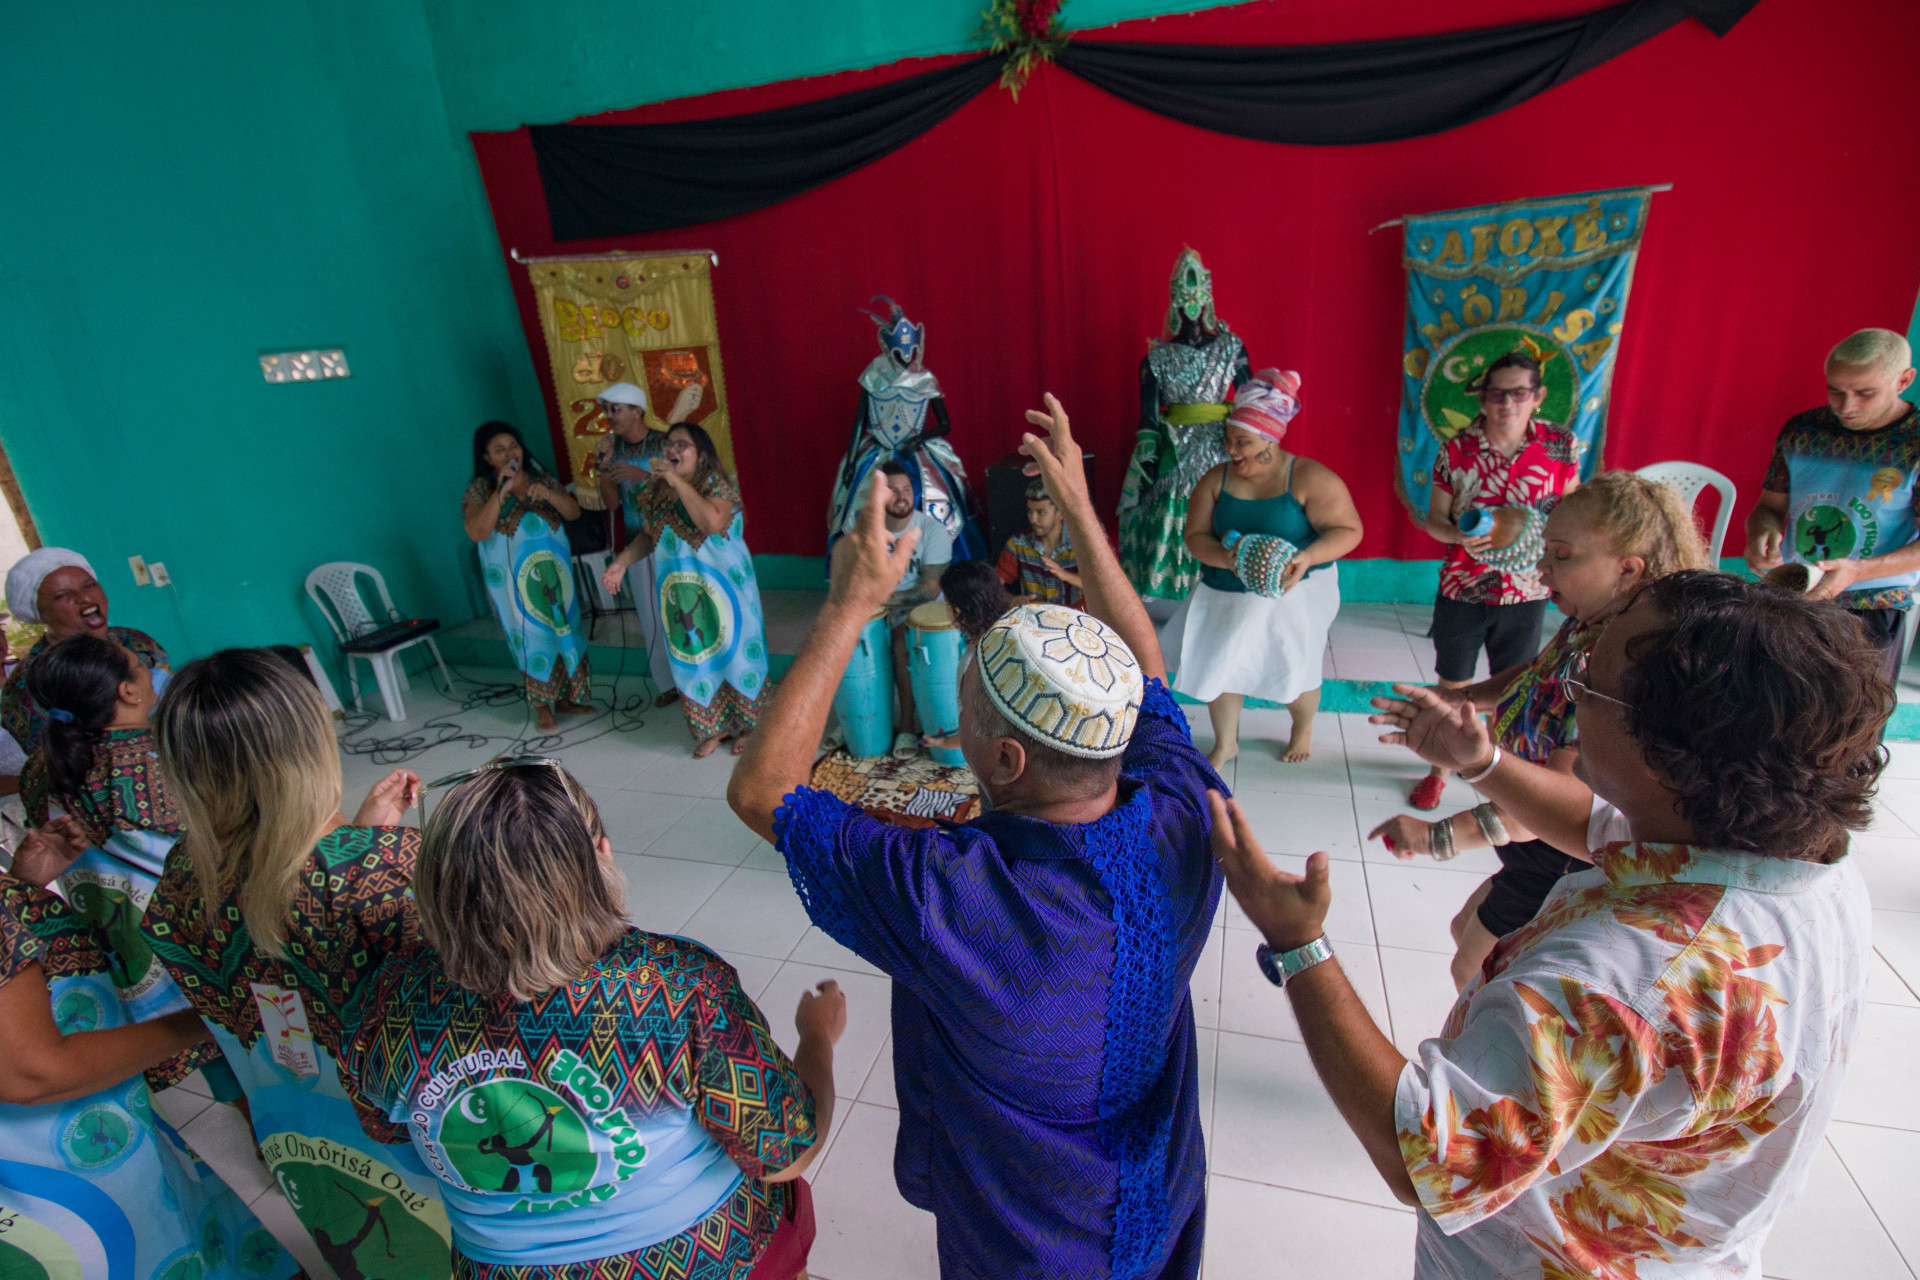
(270, 914)
(1602, 541)
(597, 1100)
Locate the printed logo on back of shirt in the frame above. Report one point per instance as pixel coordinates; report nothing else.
(283, 1026)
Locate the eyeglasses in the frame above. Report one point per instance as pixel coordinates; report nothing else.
(498, 762)
(1578, 689)
(1506, 395)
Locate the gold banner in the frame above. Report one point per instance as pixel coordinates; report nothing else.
(645, 319)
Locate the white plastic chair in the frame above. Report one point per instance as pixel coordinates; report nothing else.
(1688, 479)
(335, 589)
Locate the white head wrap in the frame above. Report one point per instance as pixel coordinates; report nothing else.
(624, 393)
(24, 579)
(1064, 677)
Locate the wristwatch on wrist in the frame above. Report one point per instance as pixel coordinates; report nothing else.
(1283, 966)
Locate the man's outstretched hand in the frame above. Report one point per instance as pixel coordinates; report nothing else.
(1289, 910)
(866, 568)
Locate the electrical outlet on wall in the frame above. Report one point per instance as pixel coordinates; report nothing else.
(159, 574)
(140, 576)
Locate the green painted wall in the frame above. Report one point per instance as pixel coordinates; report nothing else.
(505, 63)
(184, 191)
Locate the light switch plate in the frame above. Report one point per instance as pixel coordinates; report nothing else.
(304, 366)
(159, 572)
(140, 576)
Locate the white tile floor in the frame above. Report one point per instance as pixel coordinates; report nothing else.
(1291, 1193)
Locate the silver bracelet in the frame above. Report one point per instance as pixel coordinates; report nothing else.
(1490, 825)
(1481, 776)
(1440, 838)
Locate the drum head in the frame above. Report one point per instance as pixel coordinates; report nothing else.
(934, 615)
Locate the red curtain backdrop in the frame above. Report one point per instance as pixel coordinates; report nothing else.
(1034, 239)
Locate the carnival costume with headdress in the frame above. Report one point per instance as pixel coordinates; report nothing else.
(1043, 1033)
(1237, 633)
(1186, 388)
(898, 396)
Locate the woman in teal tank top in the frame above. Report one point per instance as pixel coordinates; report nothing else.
(1266, 526)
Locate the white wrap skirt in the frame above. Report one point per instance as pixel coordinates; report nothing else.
(1238, 642)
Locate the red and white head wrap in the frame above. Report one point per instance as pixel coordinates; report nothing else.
(1267, 403)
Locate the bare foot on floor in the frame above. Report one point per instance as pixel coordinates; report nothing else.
(572, 708)
(667, 698)
(1221, 755)
(708, 747)
(1299, 746)
(543, 719)
(740, 742)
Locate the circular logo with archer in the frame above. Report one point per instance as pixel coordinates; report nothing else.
(546, 590)
(515, 1135)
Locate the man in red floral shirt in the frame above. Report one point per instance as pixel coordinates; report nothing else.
(1504, 458)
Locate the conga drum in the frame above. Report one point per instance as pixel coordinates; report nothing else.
(934, 647)
(864, 700)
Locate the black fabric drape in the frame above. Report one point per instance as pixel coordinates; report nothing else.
(622, 179)
(1375, 90)
(610, 180)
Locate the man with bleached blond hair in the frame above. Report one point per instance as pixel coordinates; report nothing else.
(1839, 494)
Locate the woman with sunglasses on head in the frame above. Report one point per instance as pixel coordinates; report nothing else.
(516, 512)
(693, 527)
(1505, 458)
(1602, 542)
(56, 588)
(273, 910)
(597, 1100)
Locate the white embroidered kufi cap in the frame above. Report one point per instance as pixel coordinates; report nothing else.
(624, 393)
(28, 572)
(1064, 677)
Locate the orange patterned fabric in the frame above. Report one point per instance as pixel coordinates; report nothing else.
(1638, 1080)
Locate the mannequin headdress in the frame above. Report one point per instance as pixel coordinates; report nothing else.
(900, 337)
(1190, 294)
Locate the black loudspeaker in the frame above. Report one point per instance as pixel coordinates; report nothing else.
(1007, 498)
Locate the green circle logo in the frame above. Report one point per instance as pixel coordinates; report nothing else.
(112, 912)
(1448, 407)
(259, 1252)
(546, 590)
(696, 619)
(95, 1136)
(78, 1009)
(188, 1266)
(1825, 532)
(515, 1135)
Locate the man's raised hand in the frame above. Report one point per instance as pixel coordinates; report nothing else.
(865, 568)
(1056, 459)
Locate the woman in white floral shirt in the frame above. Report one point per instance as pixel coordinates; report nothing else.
(1637, 1082)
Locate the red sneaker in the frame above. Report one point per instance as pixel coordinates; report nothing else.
(1426, 795)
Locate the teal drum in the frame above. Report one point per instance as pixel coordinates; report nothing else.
(864, 700)
(934, 650)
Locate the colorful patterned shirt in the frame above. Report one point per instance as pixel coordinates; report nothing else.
(1534, 717)
(371, 1205)
(101, 1185)
(1043, 1041)
(1472, 473)
(1638, 1081)
(613, 449)
(1850, 495)
(514, 508)
(24, 720)
(1021, 568)
(131, 822)
(616, 1113)
(660, 507)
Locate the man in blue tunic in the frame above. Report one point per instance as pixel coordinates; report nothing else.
(1042, 1027)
